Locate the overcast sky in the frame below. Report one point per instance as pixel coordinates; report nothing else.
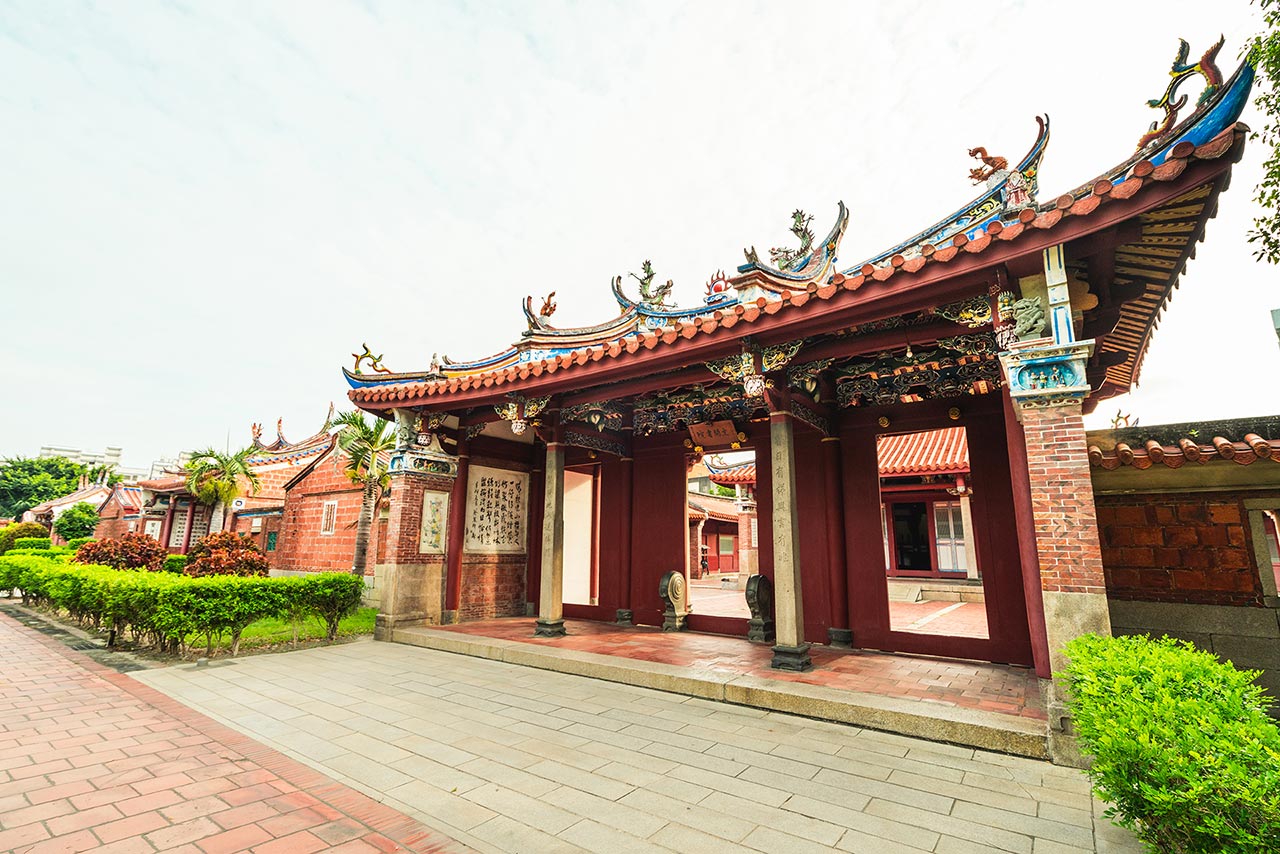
(208, 206)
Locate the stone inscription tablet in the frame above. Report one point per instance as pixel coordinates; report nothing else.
(497, 503)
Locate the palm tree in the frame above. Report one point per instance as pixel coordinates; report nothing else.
(367, 447)
(214, 477)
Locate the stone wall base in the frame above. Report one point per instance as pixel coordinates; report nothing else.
(412, 595)
(1248, 637)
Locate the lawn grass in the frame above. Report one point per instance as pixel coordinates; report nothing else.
(273, 631)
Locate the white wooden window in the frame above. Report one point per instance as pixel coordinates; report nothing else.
(329, 518)
(949, 523)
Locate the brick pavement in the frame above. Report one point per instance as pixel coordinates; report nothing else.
(511, 758)
(92, 760)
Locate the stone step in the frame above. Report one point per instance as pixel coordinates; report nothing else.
(934, 721)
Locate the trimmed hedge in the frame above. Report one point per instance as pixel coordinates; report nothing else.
(77, 542)
(174, 563)
(170, 609)
(1181, 743)
(9, 533)
(33, 543)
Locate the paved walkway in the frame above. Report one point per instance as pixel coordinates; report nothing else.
(509, 758)
(91, 760)
(964, 684)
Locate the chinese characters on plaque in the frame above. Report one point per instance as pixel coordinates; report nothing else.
(496, 503)
(435, 520)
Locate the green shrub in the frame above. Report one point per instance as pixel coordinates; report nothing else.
(33, 543)
(77, 542)
(169, 608)
(131, 551)
(174, 563)
(1182, 744)
(10, 533)
(332, 596)
(225, 553)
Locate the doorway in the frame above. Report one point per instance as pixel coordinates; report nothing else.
(581, 537)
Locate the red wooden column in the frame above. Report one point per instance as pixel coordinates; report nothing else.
(537, 486)
(165, 529)
(457, 526)
(625, 614)
(864, 538)
(191, 517)
(839, 634)
(1024, 522)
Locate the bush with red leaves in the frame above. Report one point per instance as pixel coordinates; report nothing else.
(225, 553)
(131, 551)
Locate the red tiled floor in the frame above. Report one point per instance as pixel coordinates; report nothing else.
(965, 684)
(92, 759)
(956, 619)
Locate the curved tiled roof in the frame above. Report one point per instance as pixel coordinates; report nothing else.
(1187, 450)
(944, 451)
(1102, 193)
(1159, 163)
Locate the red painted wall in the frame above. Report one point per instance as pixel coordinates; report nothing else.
(658, 515)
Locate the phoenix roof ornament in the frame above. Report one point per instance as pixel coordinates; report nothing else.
(1206, 66)
(375, 362)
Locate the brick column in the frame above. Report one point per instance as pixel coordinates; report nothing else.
(1066, 527)
(413, 576)
(1047, 385)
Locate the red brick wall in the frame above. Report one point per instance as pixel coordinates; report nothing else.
(1062, 500)
(244, 526)
(111, 522)
(492, 586)
(301, 547)
(1184, 547)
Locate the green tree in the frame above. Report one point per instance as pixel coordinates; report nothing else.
(1264, 52)
(366, 446)
(26, 482)
(78, 520)
(216, 478)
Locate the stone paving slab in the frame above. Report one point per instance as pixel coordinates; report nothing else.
(92, 760)
(972, 727)
(508, 758)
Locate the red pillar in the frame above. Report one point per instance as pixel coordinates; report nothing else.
(165, 529)
(839, 633)
(191, 518)
(537, 486)
(457, 524)
(625, 614)
(1024, 524)
(864, 538)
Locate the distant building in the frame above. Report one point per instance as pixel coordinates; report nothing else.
(46, 512)
(111, 456)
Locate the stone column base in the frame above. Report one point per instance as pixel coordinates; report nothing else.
(625, 617)
(549, 629)
(793, 658)
(385, 624)
(840, 638)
